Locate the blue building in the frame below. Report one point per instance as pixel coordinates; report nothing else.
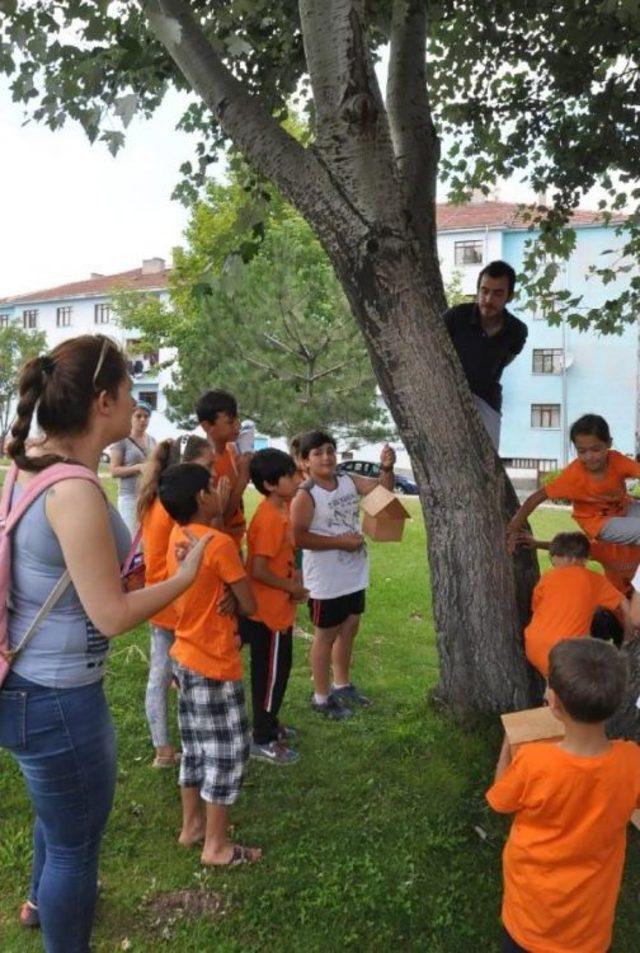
(562, 373)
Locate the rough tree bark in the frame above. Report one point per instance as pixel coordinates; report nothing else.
(367, 187)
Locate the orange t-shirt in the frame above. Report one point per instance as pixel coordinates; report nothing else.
(270, 535)
(595, 501)
(619, 562)
(224, 464)
(563, 860)
(156, 529)
(206, 641)
(563, 604)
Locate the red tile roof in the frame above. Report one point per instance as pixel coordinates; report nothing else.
(102, 285)
(496, 215)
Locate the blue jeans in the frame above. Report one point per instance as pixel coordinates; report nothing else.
(64, 743)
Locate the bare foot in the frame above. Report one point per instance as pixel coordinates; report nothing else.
(231, 856)
(190, 837)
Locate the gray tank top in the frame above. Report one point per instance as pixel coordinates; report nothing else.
(67, 650)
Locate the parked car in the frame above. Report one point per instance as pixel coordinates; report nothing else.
(404, 483)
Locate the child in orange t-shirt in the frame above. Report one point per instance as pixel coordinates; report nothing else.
(211, 710)
(156, 526)
(217, 413)
(572, 800)
(277, 588)
(566, 598)
(595, 484)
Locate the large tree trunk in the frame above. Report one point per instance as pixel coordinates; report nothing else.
(480, 600)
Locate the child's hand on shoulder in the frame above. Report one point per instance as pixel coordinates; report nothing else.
(190, 552)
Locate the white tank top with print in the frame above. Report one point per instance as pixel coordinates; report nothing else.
(331, 573)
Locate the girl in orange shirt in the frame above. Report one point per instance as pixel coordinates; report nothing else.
(595, 484)
(156, 526)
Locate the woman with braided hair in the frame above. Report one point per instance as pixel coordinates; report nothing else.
(54, 719)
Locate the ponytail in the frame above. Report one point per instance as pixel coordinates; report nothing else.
(33, 380)
(166, 454)
(60, 388)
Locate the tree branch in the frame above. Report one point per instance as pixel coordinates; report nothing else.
(352, 134)
(247, 122)
(415, 141)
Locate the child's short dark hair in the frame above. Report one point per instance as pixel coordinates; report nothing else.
(178, 490)
(216, 402)
(313, 439)
(268, 465)
(589, 677)
(590, 425)
(573, 545)
(499, 269)
(194, 447)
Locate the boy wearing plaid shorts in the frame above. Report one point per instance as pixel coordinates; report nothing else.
(211, 709)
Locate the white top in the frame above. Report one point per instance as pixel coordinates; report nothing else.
(635, 582)
(331, 573)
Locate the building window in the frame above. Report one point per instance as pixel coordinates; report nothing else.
(468, 253)
(547, 360)
(544, 465)
(63, 317)
(546, 306)
(5, 320)
(30, 319)
(545, 416)
(101, 313)
(149, 397)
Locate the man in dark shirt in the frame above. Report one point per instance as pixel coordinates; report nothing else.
(487, 337)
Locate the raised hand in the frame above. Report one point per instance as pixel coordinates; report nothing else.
(387, 457)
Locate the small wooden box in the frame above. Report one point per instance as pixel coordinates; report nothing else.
(532, 724)
(384, 516)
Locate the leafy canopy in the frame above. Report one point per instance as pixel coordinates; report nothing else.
(547, 90)
(277, 330)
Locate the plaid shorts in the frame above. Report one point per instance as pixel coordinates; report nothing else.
(214, 732)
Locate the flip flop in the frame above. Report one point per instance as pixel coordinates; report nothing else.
(241, 855)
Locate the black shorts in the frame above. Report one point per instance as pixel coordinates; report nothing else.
(327, 613)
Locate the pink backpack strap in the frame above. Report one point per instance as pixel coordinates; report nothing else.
(7, 491)
(37, 485)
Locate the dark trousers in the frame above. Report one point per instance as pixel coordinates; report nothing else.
(509, 945)
(271, 656)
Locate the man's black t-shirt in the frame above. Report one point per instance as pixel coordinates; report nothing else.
(484, 357)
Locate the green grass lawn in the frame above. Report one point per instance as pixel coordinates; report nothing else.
(379, 839)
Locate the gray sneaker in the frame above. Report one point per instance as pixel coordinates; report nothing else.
(351, 696)
(273, 752)
(332, 708)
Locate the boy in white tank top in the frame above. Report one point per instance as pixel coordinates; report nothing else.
(326, 525)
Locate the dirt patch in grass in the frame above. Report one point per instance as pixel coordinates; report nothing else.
(168, 908)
